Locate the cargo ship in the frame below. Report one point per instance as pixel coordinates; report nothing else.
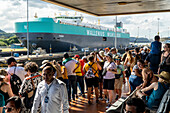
(65, 32)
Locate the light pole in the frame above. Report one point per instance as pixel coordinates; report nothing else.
(27, 32)
(116, 34)
(149, 33)
(138, 33)
(158, 25)
(168, 31)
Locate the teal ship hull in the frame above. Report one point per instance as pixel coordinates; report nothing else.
(46, 33)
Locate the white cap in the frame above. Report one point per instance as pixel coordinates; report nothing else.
(84, 57)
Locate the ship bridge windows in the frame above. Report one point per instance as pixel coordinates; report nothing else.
(68, 17)
(39, 38)
(104, 38)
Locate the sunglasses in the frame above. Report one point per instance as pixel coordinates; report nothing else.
(8, 109)
(117, 59)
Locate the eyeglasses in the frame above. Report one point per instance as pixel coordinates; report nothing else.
(8, 109)
(124, 111)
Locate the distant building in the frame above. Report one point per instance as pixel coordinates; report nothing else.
(165, 38)
(139, 40)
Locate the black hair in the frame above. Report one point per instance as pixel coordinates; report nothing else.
(10, 60)
(168, 45)
(157, 37)
(66, 55)
(126, 49)
(138, 103)
(16, 100)
(90, 58)
(141, 61)
(137, 49)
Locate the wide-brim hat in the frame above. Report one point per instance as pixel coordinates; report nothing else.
(2, 76)
(164, 75)
(101, 53)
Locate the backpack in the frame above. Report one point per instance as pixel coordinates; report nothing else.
(15, 83)
(29, 96)
(89, 73)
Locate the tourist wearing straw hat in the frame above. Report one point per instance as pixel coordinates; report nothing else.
(159, 88)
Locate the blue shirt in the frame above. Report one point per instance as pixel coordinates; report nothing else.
(156, 47)
(156, 96)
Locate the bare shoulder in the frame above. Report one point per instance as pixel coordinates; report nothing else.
(155, 85)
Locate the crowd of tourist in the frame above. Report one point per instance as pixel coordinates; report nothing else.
(50, 88)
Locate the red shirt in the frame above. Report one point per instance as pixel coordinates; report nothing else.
(82, 65)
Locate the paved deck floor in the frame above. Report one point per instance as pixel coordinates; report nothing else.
(81, 105)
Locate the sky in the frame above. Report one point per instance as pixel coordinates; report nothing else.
(12, 11)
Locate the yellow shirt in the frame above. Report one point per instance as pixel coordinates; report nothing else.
(65, 72)
(78, 70)
(94, 67)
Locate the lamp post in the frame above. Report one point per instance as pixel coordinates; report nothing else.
(158, 25)
(149, 33)
(116, 33)
(168, 31)
(27, 32)
(138, 33)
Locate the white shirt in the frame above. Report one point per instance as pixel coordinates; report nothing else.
(57, 94)
(19, 71)
(70, 66)
(109, 74)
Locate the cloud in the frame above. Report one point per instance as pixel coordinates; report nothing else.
(15, 10)
(16, 3)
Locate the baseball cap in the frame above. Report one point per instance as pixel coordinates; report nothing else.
(76, 56)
